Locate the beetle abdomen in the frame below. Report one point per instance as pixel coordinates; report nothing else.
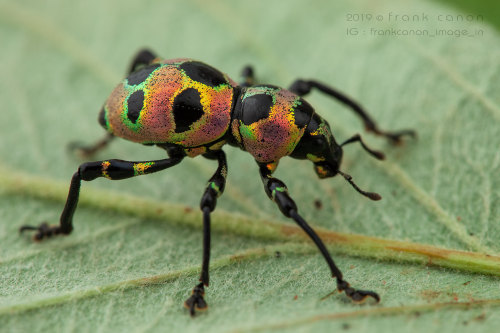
(270, 122)
(178, 101)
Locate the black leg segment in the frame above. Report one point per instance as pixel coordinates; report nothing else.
(87, 151)
(247, 74)
(278, 192)
(111, 169)
(142, 58)
(303, 87)
(357, 138)
(214, 189)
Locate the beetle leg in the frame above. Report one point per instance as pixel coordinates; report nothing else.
(208, 202)
(142, 58)
(247, 74)
(278, 192)
(111, 169)
(87, 151)
(357, 138)
(303, 87)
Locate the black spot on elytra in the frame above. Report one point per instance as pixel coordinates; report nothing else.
(140, 75)
(203, 73)
(256, 107)
(187, 109)
(102, 118)
(135, 103)
(302, 114)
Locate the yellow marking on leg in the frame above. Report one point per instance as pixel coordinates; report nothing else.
(140, 168)
(105, 165)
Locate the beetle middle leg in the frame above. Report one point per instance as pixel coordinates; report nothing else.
(304, 87)
(208, 202)
(278, 192)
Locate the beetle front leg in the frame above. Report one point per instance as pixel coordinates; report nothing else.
(214, 189)
(278, 192)
(303, 87)
(111, 169)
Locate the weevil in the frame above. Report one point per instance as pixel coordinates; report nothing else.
(189, 108)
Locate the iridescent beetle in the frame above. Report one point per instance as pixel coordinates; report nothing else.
(189, 108)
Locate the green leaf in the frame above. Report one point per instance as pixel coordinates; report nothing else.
(429, 248)
(486, 10)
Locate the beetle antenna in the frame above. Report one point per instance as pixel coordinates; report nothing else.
(371, 195)
(357, 138)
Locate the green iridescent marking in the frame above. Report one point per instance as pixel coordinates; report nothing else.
(279, 189)
(327, 133)
(293, 142)
(124, 115)
(140, 168)
(246, 132)
(295, 103)
(135, 87)
(314, 158)
(106, 120)
(261, 90)
(215, 188)
(143, 83)
(324, 130)
(221, 87)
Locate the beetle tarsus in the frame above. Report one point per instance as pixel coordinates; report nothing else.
(196, 302)
(357, 296)
(44, 230)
